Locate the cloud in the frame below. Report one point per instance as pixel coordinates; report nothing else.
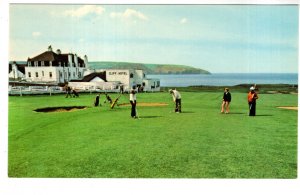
(36, 34)
(84, 10)
(183, 21)
(129, 14)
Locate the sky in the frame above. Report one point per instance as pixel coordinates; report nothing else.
(217, 38)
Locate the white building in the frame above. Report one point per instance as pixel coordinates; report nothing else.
(55, 67)
(58, 68)
(115, 79)
(16, 71)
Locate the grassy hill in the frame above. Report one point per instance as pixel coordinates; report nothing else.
(150, 68)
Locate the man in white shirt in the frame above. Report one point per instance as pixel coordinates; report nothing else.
(132, 98)
(177, 99)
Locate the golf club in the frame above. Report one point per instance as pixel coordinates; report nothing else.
(137, 115)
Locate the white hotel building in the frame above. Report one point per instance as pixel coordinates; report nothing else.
(109, 79)
(57, 68)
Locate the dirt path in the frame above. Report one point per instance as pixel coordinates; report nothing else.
(288, 107)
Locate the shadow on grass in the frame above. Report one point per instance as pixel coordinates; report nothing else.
(236, 113)
(150, 116)
(264, 115)
(184, 112)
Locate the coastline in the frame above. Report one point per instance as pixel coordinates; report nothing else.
(262, 88)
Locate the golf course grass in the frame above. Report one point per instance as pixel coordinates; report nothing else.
(99, 142)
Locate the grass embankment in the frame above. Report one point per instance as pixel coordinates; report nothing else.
(198, 143)
(243, 88)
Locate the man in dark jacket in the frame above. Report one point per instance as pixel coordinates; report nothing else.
(226, 101)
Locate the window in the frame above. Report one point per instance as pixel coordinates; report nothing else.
(158, 84)
(79, 74)
(36, 74)
(29, 74)
(43, 73)
(59, 64)
(60, 74)
(73, 74)
(50, 63)
(131, 75)
(42, 63)
(50, 74)
(35, 63)
(29, 63)
(69, 74)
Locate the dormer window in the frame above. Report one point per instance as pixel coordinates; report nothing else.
(36, 63)
(29, 63)
(59, 64)
(42, 63)
(50, 63)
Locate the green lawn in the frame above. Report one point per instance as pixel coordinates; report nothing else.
(198, 143)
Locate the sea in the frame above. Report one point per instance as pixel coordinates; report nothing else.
(225, 79)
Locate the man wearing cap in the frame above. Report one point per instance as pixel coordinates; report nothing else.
(177, 99)
(252, 96)
(132, 98)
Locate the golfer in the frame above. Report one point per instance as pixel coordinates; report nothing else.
(177, 99)
(68, 91)
(226, 101)
(97, 99)
(132, 98)
(75, 93)
(108, 99)
(252, 96)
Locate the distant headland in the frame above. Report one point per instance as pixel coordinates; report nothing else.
(148, 68)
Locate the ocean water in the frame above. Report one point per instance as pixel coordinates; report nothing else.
(225, 79)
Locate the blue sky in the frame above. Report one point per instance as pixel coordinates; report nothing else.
(218, 38)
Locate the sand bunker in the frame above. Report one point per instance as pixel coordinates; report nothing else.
(60, 109)
(289, 107)
(145, 104)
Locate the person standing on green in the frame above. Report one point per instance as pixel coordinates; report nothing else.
(252, 97)
(132, 99)
(177, 99)
(226, 101)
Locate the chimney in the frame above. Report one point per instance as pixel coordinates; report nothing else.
(86, 61)
(70, 60)
(15, 70)
(76, 60)
(49, 48)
